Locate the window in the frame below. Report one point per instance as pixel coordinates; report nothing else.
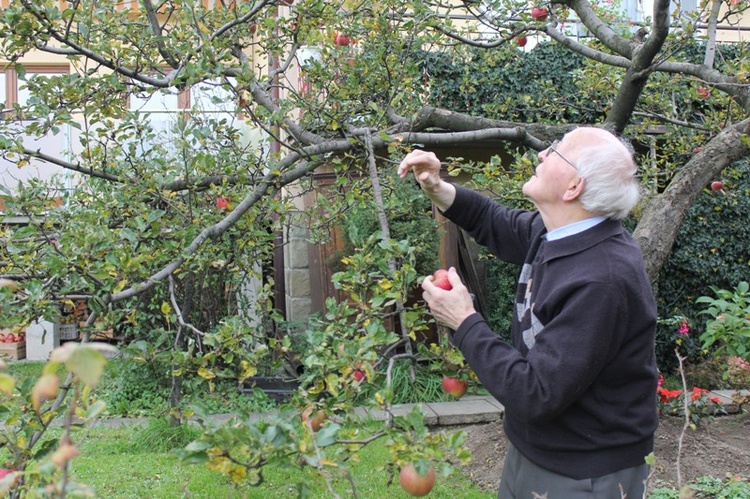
(13, 91)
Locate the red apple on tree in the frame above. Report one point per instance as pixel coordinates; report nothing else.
(440, 279)
(222, 203)
(415, 484)
(703, 92)
(341, 40)
(539, 14)
(253, 27)
(454, 386)
(521, 41)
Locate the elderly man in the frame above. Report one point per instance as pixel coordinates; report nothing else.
(579, 381)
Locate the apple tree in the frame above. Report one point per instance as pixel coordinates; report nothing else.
(156, 216)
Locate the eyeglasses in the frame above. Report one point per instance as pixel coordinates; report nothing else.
(553, 147)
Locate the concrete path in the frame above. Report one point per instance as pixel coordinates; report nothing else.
(470, 409)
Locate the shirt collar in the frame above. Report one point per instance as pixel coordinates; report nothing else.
(574, 228)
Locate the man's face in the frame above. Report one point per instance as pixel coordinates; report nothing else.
(554, 173)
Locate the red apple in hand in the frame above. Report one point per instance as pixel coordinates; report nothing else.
(454, 386)
(440, 279)
(414, 483)
(539, 14)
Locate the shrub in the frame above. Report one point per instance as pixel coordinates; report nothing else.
(712, 246)
(728, 330)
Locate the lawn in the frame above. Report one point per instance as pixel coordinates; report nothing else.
(134, 462)
(112, 464)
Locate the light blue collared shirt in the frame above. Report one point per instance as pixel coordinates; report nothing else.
(574, 228)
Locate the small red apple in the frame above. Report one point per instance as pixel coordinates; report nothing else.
(697, 149)
(5, 471)
(454, 386)
(358, 374)
(415, 484)
(539, 14)
(703, 92)
(10, 338)
(222, 203)
(521, 41)
(440, 279)
(253, 27)
(341, 40)
(717, 185)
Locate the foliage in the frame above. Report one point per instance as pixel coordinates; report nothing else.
(161, 435)
(731, 487)
(38, 465)
(699, 406)
(409, 216)
(111, 465)
(496, 83)
(728, 330)
(712, 246)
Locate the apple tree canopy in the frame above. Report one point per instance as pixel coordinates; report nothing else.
(247, 122)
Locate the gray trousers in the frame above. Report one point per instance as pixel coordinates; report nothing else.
(523, 479)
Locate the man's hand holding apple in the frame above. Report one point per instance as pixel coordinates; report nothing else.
(449, 307)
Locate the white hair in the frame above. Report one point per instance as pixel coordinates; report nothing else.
(608, 168)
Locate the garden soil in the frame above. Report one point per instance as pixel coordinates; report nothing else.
(717, 447)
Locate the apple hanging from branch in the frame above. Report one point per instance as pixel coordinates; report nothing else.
(415, 484)
(454, 386)
(341, 40)
(539, 14)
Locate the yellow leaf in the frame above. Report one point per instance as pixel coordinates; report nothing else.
(7, 384)
(206, 373)
(120, 286)
(165, 308)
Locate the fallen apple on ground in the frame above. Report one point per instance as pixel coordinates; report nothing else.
(717, 185)
(415, 484)
(454, 386)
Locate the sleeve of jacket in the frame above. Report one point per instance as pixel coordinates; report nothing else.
(568, 354)
(505, 232)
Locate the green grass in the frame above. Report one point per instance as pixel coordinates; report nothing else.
(112, 465)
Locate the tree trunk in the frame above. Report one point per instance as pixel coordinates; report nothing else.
(658, 226)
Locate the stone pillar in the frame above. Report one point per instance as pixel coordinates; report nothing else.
(297, 270)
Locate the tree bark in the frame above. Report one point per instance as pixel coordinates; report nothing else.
(661, 220)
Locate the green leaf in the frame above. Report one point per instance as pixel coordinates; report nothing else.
(86, 363)
(95, 409)
(7, 383)
(327, 435)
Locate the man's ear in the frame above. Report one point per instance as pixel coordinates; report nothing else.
(575, 189)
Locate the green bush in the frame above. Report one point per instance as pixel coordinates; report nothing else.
(712, 248)
(728, 329)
